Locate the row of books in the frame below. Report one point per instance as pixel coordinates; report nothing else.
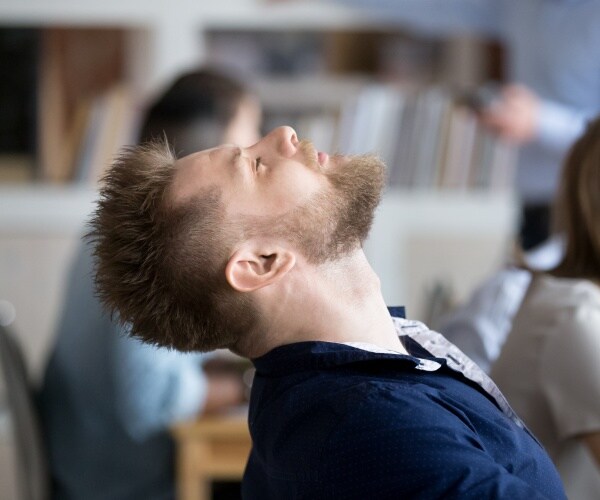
(100, 126)
(85, 110)
(397, 55)
(107, 123)
(426, 137)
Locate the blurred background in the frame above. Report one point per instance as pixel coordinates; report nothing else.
(76, 76)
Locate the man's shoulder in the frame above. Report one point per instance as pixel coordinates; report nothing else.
(350, 420)
(384, 428)
(429, 398)
(344, 402)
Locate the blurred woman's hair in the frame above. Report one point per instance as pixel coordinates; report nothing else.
(194, 112)
(577, 211)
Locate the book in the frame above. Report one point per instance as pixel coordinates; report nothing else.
(112, 124)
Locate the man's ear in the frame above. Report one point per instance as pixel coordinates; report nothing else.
(254, 266)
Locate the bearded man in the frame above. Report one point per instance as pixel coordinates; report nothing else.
(259, 250)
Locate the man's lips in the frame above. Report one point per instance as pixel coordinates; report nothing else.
(322, 157)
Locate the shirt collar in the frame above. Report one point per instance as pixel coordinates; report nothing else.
(428, 351)
(302, 356)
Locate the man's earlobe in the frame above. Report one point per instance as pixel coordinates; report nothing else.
(251, 268)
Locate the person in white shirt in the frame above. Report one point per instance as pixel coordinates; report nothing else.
(549, 367)
(480, 325)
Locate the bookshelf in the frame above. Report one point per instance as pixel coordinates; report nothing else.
(427, 138)
(97, 65)
(336, 52)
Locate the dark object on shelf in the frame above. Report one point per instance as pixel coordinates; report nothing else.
(535, 225)
(18, 91)
(481, 98)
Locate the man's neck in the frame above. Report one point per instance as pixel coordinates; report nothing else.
(338, 301)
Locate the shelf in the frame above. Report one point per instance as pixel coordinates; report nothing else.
(447, 211)
(230, 14)
(44, 209)
(300, 16)
(77, 122)
(63, 209)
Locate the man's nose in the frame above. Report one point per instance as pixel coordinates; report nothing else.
(283, 139)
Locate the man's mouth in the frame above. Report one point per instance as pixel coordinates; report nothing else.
(322, 158)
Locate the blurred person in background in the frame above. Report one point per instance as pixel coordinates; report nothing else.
(549, 366)
(480, 325)
(107, 400)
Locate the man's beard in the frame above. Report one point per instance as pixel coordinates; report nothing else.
(337, 220)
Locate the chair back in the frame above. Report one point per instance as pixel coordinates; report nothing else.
(32, 477)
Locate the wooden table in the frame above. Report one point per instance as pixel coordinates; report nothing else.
(211, 448)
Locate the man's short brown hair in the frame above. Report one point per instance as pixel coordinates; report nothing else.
(159, 265)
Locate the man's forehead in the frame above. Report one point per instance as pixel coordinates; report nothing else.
(198, 170)
(204, 155)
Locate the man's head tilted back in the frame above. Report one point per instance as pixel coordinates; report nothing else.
(189, 251)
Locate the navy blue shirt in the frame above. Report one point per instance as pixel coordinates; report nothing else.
(336, 421)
